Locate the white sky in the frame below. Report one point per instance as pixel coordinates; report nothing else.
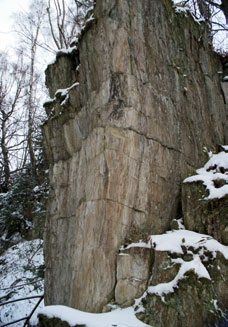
(7, 8)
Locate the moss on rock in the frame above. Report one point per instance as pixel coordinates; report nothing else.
(45, 321)
(191, 304)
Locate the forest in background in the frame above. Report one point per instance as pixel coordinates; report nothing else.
(47, 27)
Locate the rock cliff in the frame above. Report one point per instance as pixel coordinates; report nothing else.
(131, 110)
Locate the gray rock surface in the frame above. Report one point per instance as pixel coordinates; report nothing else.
(148, 101)
(133, 272)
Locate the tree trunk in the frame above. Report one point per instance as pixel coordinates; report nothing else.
(5, 153)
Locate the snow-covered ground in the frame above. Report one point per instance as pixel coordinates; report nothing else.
(118, 317)
(21, 275)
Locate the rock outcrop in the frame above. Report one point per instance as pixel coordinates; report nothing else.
(189, 281)
(124, 128)
(205, 199)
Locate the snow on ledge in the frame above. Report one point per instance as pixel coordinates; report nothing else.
(173, 242)
(216, 169)
(177, 240)
(64, 92)
(118, 318)
(139, 244)
(193, 265)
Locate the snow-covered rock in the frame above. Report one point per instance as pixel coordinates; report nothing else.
(205, 198)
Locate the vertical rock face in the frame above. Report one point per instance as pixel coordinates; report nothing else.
(121, 141)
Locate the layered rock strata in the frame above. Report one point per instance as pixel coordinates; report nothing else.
(124, 128)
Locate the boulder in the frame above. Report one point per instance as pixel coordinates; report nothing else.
(133, 272)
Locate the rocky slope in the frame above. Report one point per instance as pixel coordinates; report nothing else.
(130, 112)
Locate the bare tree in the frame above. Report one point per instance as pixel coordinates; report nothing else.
(29, 31)
(59, 37)
(66, 19)
(215, 14)
(47, 20)
(12, 83)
